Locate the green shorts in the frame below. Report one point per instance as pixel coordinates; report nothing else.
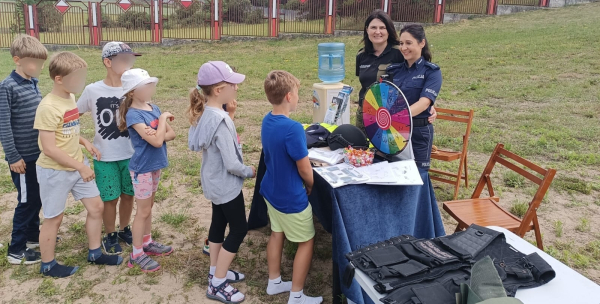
(297, 227)
(113, 179)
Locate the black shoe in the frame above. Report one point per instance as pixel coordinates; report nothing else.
(126, 236)
(25, 256)
(110, 243)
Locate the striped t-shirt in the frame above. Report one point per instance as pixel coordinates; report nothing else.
(19, 99)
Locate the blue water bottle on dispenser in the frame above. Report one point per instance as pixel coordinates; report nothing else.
(331, 62)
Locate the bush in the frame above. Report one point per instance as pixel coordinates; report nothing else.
(133, 20)
(304, 12)
(195, 15)
(49, 19)
(255, 16)
(236, 10)
(263, 3)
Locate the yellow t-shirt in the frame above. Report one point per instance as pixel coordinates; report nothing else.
(60, 116)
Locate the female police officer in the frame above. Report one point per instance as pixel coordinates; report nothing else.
(381, 48)
(420, 81)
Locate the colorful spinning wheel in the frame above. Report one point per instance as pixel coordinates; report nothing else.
(387, 118)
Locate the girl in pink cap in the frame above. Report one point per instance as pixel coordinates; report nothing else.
(222, 174)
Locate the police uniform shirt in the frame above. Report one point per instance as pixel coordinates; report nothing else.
(369, 66)
(422, 79)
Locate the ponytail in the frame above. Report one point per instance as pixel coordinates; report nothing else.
(198, 101)
(196, 107)
(417, 31)
(123, 108)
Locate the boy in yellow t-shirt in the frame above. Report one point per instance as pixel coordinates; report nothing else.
(62, 168)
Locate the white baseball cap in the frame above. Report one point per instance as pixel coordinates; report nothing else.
(135, 78)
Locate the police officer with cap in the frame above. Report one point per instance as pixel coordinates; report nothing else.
(420, 81)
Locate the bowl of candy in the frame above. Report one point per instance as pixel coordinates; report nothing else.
(358, 157)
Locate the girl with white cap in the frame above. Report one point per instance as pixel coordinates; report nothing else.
(136, 115)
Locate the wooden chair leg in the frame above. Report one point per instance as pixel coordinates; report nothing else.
(458, 228)
(456, 188)
(466, 172)
(538, 234)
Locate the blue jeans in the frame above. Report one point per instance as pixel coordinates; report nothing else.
(26, 221)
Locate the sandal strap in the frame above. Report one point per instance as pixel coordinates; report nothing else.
(221, 289)
(237, 274)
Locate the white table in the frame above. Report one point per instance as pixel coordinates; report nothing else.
(567, 287)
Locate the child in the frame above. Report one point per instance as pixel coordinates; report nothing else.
(149, 157)
(103, 98)
(223, 172)
(285, 186)
(62, 167)
(19, 98)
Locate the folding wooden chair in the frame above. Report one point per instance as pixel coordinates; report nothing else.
(447, 155)
(484, 211)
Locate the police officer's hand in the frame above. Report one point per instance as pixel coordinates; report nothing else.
(433, 116)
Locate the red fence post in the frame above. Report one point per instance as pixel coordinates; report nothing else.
(273, 18)
(543, 3)
(330, 17)
(156, 10)
(492, 6)
(215, 20)
(440, 8)
(94, 23)
(31, 22)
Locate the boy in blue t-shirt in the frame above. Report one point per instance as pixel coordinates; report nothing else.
(287, 182)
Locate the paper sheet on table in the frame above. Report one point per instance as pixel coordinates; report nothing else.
(341, 175)
(326, 155)
(400, 173)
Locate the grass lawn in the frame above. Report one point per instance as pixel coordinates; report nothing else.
(532, 78)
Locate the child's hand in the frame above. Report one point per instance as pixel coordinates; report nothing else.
(93, 150)
(308, 189)
(167, 115)
(231, 107)
(18, 167)
(150, 131)
(253, 172)
(86, 173)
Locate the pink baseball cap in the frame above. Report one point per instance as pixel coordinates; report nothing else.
(214, 72)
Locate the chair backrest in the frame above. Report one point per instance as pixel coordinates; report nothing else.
(458, 116)
(502, 156)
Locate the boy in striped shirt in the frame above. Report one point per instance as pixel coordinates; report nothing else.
(19, 99)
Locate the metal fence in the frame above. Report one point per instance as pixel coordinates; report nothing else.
(351, 14)
(81, 22)
(302, 16)
(421, 11)
(466, 6)
(126, 21)
(62, 22)
(520, 2)
(245, 18)
(11, 22)
(186, 20)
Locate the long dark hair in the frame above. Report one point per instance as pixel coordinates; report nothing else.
(389, 26)
(417, 31)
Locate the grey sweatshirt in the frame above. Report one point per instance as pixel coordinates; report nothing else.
(223, 170)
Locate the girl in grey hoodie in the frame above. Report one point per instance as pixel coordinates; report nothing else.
(222, 174)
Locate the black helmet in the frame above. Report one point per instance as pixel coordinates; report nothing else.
(347, 135)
